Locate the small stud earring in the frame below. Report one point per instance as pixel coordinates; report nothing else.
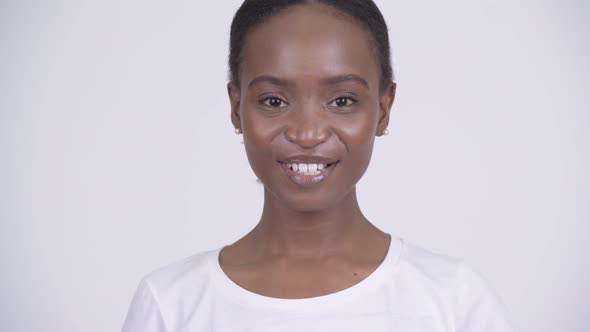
(238, 131)
(385, 132)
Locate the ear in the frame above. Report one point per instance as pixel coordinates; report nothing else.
(385, 102)
(234, 99)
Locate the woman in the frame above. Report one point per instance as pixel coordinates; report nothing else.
(311, 87)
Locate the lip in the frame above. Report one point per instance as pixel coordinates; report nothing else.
(307, 159)
(308, 181)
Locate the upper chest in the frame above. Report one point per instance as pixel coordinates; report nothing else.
(299, 278)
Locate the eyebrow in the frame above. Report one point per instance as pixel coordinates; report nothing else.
(328, 81)
(346, 78)
(268, 79)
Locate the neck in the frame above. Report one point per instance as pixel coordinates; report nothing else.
(284, 231)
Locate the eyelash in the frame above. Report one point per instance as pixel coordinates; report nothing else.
(267, 101)
(347, 98)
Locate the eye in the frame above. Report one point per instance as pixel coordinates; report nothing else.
(274, 102)
(342, 102)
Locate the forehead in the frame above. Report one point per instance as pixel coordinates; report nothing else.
(309, 41)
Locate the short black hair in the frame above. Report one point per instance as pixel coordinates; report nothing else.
(254, 12)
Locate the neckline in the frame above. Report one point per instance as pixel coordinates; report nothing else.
(235, 292)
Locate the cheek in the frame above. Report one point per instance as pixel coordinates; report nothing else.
(357, 131)
(358, 136)
(259, 134)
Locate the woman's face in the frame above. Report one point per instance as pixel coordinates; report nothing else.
(309, 105)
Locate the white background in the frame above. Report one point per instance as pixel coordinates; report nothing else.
(118, 156)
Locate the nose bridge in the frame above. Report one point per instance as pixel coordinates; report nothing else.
(307, 126)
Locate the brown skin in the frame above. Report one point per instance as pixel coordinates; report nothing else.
(310, 241)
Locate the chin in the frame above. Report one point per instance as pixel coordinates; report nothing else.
(308, 205)
(309, 202)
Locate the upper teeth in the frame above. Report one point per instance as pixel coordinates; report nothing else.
(308, 169)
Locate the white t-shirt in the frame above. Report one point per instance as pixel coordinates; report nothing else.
(413, 290)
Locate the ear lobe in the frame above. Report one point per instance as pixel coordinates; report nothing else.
(385, 103)
(234, 99)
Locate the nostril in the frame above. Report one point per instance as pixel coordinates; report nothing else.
(306, 137)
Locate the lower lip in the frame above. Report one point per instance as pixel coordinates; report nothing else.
(307, 181)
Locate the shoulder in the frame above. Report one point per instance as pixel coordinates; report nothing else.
(164, 292)
(183, 283)
(425, 265)
(448, 272)
(469, 296)
(186, 281)
(192, 269)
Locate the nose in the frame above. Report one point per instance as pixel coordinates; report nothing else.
(307, 128)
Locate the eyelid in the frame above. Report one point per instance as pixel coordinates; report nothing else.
(352, 100)
(264, 99)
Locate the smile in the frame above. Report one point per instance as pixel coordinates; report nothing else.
(308, 174)
(307, 169)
